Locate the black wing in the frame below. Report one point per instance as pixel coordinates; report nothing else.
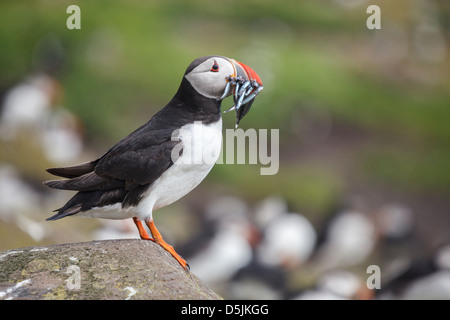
(122, 174)
(138, 159)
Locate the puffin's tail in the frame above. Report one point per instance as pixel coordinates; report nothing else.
(73, 206)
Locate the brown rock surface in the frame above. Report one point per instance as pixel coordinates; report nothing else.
(111, 269)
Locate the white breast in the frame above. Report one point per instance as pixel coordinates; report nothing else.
(200, 146)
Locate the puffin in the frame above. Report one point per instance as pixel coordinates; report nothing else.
(167, 157)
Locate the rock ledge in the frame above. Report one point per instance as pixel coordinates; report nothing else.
(110, 269)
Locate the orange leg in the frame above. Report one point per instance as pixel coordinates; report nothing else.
(159, 240)
(142, 233)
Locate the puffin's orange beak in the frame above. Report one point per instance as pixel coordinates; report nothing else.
(249, 73)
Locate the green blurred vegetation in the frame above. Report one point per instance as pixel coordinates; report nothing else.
(127, 61)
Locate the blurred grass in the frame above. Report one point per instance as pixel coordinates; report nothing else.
(127, 61)
(310, 188)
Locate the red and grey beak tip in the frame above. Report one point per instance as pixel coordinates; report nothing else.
(251, 75)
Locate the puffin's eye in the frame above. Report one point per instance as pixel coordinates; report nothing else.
(215, 67)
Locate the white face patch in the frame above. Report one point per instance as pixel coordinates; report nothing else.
(208, 83)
